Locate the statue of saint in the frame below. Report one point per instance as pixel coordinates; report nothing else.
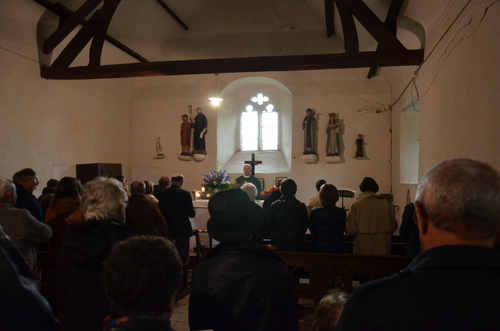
(359, 146)
(200, 130)
(159, 147)
(332, 130)
(309, 127)
(186, 135)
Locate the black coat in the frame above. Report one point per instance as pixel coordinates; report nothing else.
(288, 218)
(327, 225)
(79, 272)
(176, 206)
(452, 287)
(28, 201)
(23, 308)
(242, 286)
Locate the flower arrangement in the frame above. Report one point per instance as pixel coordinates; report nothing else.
(267, 191)
(217, 179)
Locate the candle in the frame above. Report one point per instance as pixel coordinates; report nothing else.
(203, 189)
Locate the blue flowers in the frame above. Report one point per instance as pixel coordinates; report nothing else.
(217, 179)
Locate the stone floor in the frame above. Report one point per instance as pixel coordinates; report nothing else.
(179, 319)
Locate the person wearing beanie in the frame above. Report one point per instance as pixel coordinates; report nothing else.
(240, 285)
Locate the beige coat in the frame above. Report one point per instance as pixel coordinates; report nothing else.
(371, 223)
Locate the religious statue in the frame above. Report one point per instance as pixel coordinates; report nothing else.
(159, 147)
(359, 147)
(200, 130)
(332, 130)
(309, 127)
(186, 133)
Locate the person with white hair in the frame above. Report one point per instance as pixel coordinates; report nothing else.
(453, 284)
(84, 249)
(264, 231)
(23, 228)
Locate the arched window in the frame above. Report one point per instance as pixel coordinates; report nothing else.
(259, 125)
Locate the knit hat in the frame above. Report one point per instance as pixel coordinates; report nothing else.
(231, 217)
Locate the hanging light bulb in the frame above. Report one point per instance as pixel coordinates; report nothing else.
(216, 100)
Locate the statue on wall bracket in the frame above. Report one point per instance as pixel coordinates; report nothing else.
(186, 125)
(333, 139)
(310, 128)
(360, 153)
(199, 131)
(159, 149)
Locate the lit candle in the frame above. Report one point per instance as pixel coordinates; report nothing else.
(208, 195)
(203, 189)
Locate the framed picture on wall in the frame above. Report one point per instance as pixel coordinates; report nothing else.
(279, 179)
(262, 182)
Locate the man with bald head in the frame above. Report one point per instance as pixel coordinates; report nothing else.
(142, 214)
(453, 284)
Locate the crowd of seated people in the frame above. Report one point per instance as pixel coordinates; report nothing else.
(111, 277)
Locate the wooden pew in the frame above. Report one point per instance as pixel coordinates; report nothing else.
(328, 271)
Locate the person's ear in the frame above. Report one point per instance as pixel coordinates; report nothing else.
(422, 218)
(170, 307)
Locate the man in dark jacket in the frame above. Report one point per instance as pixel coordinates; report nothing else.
(240, 285)
(453, 284)
(26, 182)
(176, 205)
(289, 219)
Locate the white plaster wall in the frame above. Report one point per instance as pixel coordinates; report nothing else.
(51, 126)
(458, 88)
(158, 104)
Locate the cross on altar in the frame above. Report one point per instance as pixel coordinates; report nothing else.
(253, 163)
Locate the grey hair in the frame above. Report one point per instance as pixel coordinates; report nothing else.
(462, 196)
(6, 185)
(102, 199)
(250, 189)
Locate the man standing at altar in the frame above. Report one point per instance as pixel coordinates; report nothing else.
(247, 177)
(176, 206)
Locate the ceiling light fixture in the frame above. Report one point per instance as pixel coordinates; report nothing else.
(215, 100)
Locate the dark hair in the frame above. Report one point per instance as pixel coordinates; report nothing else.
(328, 195)
(24, 174)
(68, 187)
(368, 184)
(137, 187)
(288, 187)
(141, 275)
(164, 181)
(120, 178)
(320, 183)
(52, 183)
(149, 186)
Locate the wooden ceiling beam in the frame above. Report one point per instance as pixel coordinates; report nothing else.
(69, 25)
(233, 65)
(351, 41)
(65, 13)
(108, 11)
(174, 16)
(329, 12)
(391, 23)
(373, 25)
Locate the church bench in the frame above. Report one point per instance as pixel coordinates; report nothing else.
(313, 274)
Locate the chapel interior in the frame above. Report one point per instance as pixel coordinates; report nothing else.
(418, 80)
